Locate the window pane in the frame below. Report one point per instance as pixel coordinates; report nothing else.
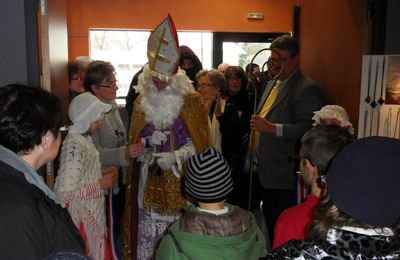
(201, 45)
(241, 53)
(127, 51)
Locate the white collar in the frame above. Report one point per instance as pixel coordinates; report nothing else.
(215, 212)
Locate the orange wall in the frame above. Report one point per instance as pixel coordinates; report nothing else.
(331, 43)
(331, 31)
(222, 15)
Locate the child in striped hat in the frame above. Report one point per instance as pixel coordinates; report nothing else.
(213, 229)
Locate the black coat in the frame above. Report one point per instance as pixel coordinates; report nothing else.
(235, 129)
(341, 244)
(32, 226)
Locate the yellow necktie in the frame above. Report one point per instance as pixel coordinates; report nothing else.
(264, 111)
(270, 99)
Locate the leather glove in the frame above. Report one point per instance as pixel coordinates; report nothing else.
(165, 160)
(157, 138)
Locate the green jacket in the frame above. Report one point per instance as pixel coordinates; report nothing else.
(178, 244)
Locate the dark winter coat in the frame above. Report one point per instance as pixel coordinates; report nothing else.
(341, 244)
(32, 226)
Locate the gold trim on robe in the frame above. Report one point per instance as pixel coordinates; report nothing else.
(195, 118)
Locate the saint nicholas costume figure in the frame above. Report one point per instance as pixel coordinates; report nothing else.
(170, 119)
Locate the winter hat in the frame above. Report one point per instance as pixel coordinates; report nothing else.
(208, 177)
(363, 180)
(84, 110)
(333, 111)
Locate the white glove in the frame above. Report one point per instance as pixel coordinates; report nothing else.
(184, 153)
(157, 138)
(165, 160)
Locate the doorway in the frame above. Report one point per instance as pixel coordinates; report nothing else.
(239, 48)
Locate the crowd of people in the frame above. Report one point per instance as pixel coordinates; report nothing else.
(173, 182)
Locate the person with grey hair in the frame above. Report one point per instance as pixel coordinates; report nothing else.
(283, 115)
(84, 61)
(111, 139)
(211, 86)
(222, 67)
(76, 73)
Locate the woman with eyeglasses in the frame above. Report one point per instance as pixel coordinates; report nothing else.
(235, 128)
(111, 139)
(211, 85)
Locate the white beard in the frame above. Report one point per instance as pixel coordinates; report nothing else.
(162, 108)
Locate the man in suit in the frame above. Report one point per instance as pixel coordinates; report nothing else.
(284, 113)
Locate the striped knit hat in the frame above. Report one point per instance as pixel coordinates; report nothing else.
(208, 177)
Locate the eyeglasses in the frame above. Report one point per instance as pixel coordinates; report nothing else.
(238, 79)
(76, 78)
(203, 85)
(112, 84)
(282, 60)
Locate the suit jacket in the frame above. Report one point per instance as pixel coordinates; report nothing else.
(293, 107)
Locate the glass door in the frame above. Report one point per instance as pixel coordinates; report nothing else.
(239, 48)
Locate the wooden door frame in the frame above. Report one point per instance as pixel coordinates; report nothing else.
(54, 60)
